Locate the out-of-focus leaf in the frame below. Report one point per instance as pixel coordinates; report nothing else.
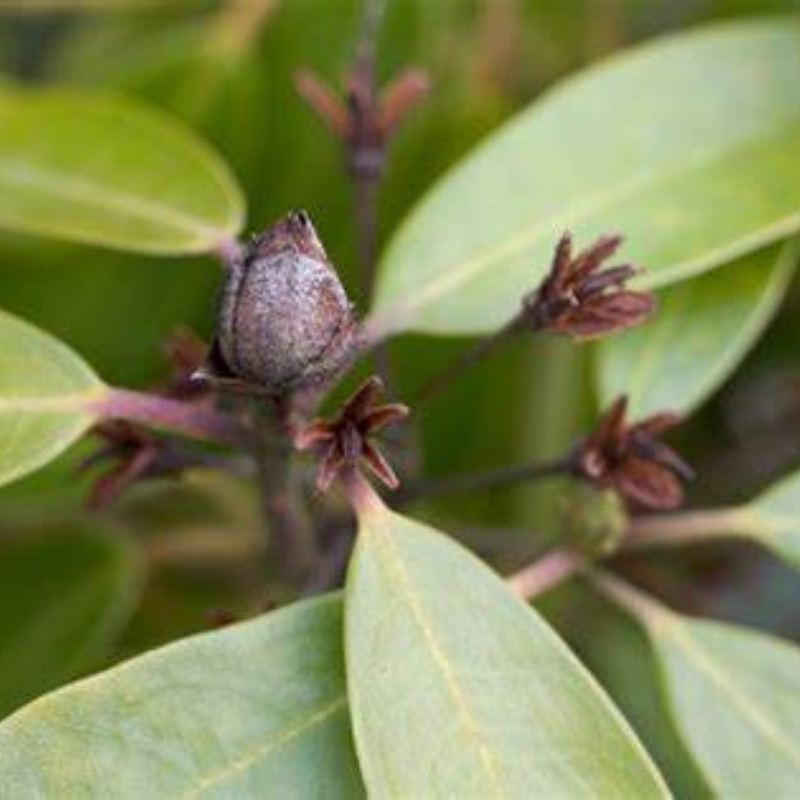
(617, 652)
(735, 698)
(773, 520)
(44, 392)
(694, 172)
(103, 170)
(701, 332)
(49, 6)
(458, 689)
(255, 710)
(65, 596)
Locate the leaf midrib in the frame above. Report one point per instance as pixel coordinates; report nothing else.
(386, 545)
(319, 716)
(97, 196)
(54, 403)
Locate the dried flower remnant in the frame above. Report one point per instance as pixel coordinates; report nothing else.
(285, 322)
(134, 455)
(345, 441)
(630, 460)
(579, 298)
(364, 120)
(185, 352)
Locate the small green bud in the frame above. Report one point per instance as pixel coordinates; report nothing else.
(593, 521)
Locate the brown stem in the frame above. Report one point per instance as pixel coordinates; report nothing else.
(546, 573)
(442, 381)
(366, 213)
(674, 530)
(502, 477)
(329, 571)
(188, 419)
(291, 542)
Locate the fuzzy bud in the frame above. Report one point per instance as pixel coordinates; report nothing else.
(285, 322)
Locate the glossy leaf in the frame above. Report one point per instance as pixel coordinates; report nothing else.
(102, 170)
(694, 172)
(44, 392)
(256, 710)
(702, 331)
(66, 595)
(458, 689)
(735, 698)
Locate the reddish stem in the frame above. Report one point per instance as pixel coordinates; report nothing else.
(188, 419)
(546, 573)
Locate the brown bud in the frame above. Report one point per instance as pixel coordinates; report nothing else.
(285, 322)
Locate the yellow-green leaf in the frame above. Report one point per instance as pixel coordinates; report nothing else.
(257, 710)
(702, 331)
(734, 694)
(104, 170)
(773, 519)
(458, 689)
(693, 171)
(45, 393)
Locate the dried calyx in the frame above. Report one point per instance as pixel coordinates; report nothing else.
(343, 443)
(285, 323)
(579, 298)
(366, 119)
(632, 461)
(130, 454)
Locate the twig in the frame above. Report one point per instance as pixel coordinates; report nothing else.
(189, 419)
(228, 251)
(694, 527)
(546, 573)
(640, 605)
(331, 566)
(473, 356)
(366, 214)
(291, 541)
(501, 477)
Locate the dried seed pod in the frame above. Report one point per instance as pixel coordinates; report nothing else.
(285, 322)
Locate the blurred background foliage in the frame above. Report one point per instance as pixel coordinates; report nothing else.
(228, 69)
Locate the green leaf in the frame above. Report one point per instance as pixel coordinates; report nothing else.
(735, 698)
(45, 391)
(255, 710)
(703, 330)
(773, 520)
(66, 595)
(102, 170)
(694, 172)
(458, 689)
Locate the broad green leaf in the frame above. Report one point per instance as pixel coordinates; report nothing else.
(458, 689)
(735, 698)
(257, 710)
(773, 520)
(694, 172)
(65, 596)
(45, 390)
(701, 332)
(103, 170)
(618, 653)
